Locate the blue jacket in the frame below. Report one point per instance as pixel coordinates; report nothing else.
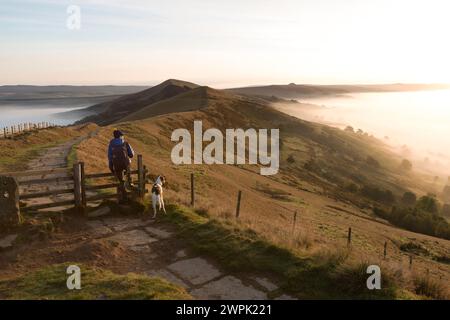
(118, 142)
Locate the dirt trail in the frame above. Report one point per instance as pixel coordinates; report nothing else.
(52, 158)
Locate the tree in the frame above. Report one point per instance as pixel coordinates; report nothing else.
(428, 204)
(409, 199)
(406, 165)
(350, 129)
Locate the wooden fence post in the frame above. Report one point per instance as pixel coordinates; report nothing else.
(77, 185)
(144, 178)
(141, 182)
(385, 249)
(349, 237)
(192, 190)
(83, 186)
(238, 206)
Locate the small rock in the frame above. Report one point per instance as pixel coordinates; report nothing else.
(181, 254)
(99, 212)
(7, 242)
(159, 233)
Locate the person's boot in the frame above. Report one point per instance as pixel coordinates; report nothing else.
(129, 182)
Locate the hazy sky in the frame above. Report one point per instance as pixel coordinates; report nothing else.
(225, 42)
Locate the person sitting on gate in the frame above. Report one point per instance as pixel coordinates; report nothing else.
(120, 153)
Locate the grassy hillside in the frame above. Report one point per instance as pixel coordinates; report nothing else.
(191, 100)
(115, 110)
(323, 175)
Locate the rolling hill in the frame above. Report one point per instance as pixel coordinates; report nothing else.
(194, 99)
(117, 109)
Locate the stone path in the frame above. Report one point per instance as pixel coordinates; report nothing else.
(202, 278)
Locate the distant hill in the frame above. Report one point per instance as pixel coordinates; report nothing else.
(27, 92)
(117, 109)
(292, 91)
(191, 100)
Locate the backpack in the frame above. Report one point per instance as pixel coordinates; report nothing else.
(120, 158)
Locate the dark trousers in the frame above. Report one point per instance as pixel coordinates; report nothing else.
(121, 190)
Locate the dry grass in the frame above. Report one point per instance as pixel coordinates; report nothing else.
(319, 226)
(430, 288)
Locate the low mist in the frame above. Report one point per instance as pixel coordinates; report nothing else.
(416, 124)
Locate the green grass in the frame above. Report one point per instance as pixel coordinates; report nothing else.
(238, 249)
(50, 283)
(19, 160)
(72, 156)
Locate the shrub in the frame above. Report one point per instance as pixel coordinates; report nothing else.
(409, 199)
(428, 204)
(375, 193)
(425, 286)
(350, 129)
(417, 220)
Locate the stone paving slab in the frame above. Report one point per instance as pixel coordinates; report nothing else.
(140, 248)
(99, 212)
(98, 229)
(181, 254)
(169, 276)
(159, 233)
(132, 238)
(120, 224)
(266, 283)
(228, 288)
(7, 241)
(195, 270)
(285, 297)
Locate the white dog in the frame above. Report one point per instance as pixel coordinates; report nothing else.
(157, 195)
